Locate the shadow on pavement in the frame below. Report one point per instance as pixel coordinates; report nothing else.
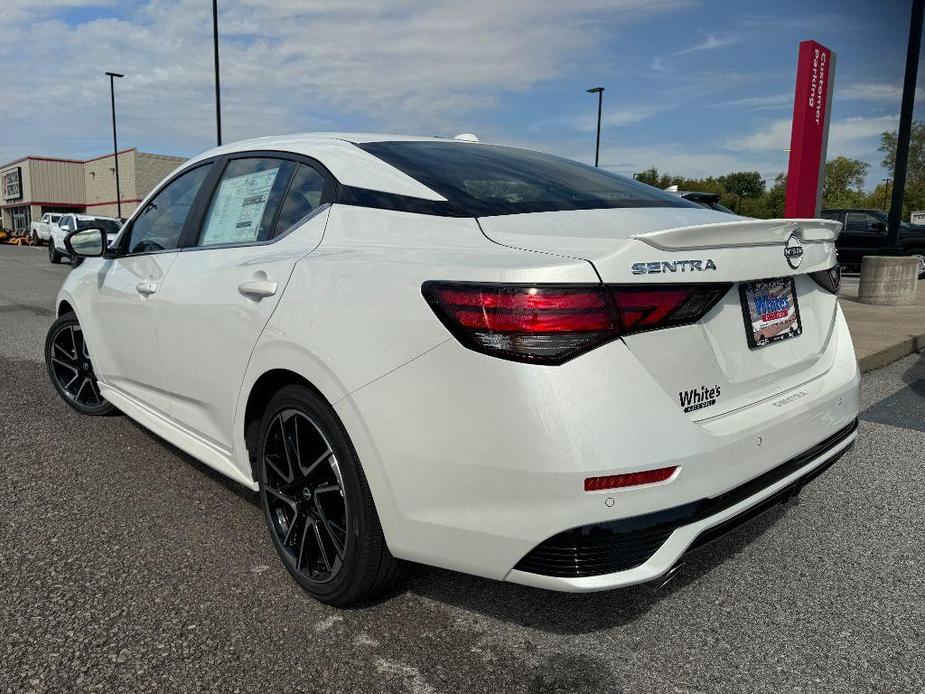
(570, 613)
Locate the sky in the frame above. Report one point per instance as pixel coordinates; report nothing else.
(693, 87)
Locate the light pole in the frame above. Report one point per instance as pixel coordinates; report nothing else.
(218, 97)
(115, 141)
(600, 102)
(905, 122)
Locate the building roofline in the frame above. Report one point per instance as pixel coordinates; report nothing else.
(30, 157)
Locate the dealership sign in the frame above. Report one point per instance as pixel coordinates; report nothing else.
(11, 182)
(810, 130)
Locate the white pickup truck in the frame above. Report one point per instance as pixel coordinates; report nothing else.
(40, 231)
(72, 222)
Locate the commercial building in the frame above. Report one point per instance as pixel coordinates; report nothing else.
(31, 186)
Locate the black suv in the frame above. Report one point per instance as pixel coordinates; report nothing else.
(864, 233)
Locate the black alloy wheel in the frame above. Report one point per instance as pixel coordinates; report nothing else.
(70, 367)
(316, 501)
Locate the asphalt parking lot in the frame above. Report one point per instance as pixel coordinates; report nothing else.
(126, 566)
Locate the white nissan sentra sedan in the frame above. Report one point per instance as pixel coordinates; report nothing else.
(477, 357)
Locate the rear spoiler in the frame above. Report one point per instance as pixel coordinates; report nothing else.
(742, 234)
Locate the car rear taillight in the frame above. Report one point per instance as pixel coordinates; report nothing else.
(550, 324)
(629, 479)
(830, 279)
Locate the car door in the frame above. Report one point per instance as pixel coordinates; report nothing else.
(863, 235)
(266, 213)
(121, 330)
(65, 225)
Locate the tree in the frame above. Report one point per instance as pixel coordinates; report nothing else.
(914, 198)
(776, 196)
(743, 184)
(654, 178)
(843, 185)
(915, 174)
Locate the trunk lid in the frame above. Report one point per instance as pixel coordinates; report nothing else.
(712, 358)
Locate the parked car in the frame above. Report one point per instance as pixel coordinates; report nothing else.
(708, 200)
(73, 222)
(40, 231)
(864, 233)
(478, 357)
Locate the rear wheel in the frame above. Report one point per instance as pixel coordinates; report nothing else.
(70, 367)
(316, 501)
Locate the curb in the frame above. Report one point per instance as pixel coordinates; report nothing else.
(888, 355)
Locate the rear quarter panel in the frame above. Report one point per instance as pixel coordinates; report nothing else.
(353, 310)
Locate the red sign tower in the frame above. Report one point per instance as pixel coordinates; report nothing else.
(810, 130)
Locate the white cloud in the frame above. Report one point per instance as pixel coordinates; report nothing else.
(682, 160)
(849, 136)
(872, 91)
(711, 43)
(774, 135)
(288, 65)
(756, 103)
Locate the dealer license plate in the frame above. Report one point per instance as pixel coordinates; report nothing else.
(771, 311)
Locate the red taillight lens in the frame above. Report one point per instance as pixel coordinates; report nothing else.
(550, 324)
(630, 479)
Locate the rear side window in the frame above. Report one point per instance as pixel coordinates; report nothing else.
(108, 225)
(858, 221)
(160, 223)
(484, 180)
(244, 206)
(305, 195)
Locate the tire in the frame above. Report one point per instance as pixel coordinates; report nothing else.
(53, 256)
(317, 503)
(70, 369)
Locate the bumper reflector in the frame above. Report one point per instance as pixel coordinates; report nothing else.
(631, 479)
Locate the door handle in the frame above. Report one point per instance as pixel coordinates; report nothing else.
(146, 288)
(257, 289)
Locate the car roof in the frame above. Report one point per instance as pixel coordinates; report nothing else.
(349, 164)
(90, 216)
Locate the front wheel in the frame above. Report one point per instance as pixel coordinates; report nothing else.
(70, 367)
(53, 255)
(317, 503)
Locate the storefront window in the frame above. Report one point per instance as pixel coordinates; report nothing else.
(20, 219)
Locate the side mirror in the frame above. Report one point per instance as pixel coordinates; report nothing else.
(877, 226)
(86, 243)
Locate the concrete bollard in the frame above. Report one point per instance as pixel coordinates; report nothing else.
(888, 280)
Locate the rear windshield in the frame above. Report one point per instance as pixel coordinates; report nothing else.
(110, 226)
(485, 180)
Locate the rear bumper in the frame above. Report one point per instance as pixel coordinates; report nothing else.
(473, 461)
(644, 548)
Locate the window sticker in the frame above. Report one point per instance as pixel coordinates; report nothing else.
(238, 208)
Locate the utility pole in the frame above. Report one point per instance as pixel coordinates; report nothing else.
(905, 123)
(218, 96)
(115, 141)
(600, 102)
